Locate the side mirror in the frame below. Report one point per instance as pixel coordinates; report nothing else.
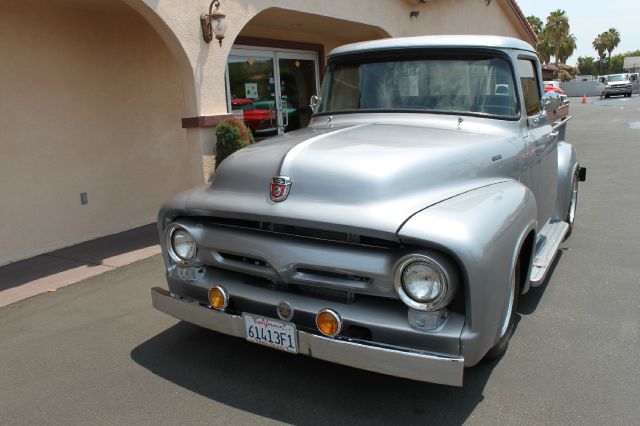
(314, 102)
(550, 101)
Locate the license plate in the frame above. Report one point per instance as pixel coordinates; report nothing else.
(269, 332)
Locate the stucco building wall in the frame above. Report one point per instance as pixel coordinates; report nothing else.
(91, 102)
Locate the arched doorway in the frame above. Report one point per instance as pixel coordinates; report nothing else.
(90, 116)
(276, 64)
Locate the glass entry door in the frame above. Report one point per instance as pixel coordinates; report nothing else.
(271, 89)
(251, 92)
(298, 82)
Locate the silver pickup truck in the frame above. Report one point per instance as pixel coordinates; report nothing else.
(615, 84)
(432, 187)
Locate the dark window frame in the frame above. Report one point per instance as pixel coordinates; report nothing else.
(539, 83)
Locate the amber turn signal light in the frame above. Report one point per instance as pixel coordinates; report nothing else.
(328, 322)
(218, 298)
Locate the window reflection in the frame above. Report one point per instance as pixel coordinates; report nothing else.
(465, 85)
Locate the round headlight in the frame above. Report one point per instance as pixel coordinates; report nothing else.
(422, 282)
(183, 245)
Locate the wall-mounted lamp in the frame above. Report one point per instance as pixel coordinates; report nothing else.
(213, 23)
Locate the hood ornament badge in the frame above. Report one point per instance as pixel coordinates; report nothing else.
(285, 311)
(280, 186)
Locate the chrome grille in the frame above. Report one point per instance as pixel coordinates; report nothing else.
(303, 232)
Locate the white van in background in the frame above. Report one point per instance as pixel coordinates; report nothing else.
(615, 84)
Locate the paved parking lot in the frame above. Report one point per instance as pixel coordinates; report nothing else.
(97, 353)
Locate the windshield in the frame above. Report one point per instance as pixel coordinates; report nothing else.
(467, 85)
(617, 77)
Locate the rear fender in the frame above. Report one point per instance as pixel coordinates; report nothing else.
(483, 230)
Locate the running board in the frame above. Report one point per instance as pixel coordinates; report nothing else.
(549, 241)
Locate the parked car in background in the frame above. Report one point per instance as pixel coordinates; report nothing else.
(397, 231)
(615, 84)
(554, 86)
(260, 115)
(562, 110)
(261, 121)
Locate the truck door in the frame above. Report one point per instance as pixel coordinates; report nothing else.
(602, 84)
(540, 141)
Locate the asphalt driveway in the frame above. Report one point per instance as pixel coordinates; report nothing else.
(97, 353)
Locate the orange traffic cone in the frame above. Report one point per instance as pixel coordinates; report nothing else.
(584, 98)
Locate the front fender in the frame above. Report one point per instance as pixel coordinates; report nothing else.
(567, 166)
(483, 230)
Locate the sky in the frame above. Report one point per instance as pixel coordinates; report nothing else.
(588, 18)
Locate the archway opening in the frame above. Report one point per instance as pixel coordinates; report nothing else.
(276, 65)
(90, 116)
(291, 25)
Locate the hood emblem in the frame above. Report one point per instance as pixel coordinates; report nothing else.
(280, 186)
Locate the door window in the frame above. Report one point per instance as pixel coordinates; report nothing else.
(530, 86)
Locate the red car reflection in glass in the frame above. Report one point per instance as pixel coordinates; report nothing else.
(256, 115)
(554, 86)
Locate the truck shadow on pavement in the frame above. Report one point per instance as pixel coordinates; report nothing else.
(299, 389)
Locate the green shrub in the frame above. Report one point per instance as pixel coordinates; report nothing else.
(231, 135)
(245, 132)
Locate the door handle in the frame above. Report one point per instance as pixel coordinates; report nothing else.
(282, 111)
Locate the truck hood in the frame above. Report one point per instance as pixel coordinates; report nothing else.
(364, 178)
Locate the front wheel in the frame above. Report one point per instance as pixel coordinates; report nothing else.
(509, 320)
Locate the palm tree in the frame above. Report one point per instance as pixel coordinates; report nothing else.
(600, 45)
(612, 40)
(544, 48)
(536, 24)
(567, 47)
(557, 29)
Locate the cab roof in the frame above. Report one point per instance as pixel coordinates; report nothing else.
(438, 41)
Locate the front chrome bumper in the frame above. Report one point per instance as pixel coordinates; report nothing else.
(621, 89)
(392, 361)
